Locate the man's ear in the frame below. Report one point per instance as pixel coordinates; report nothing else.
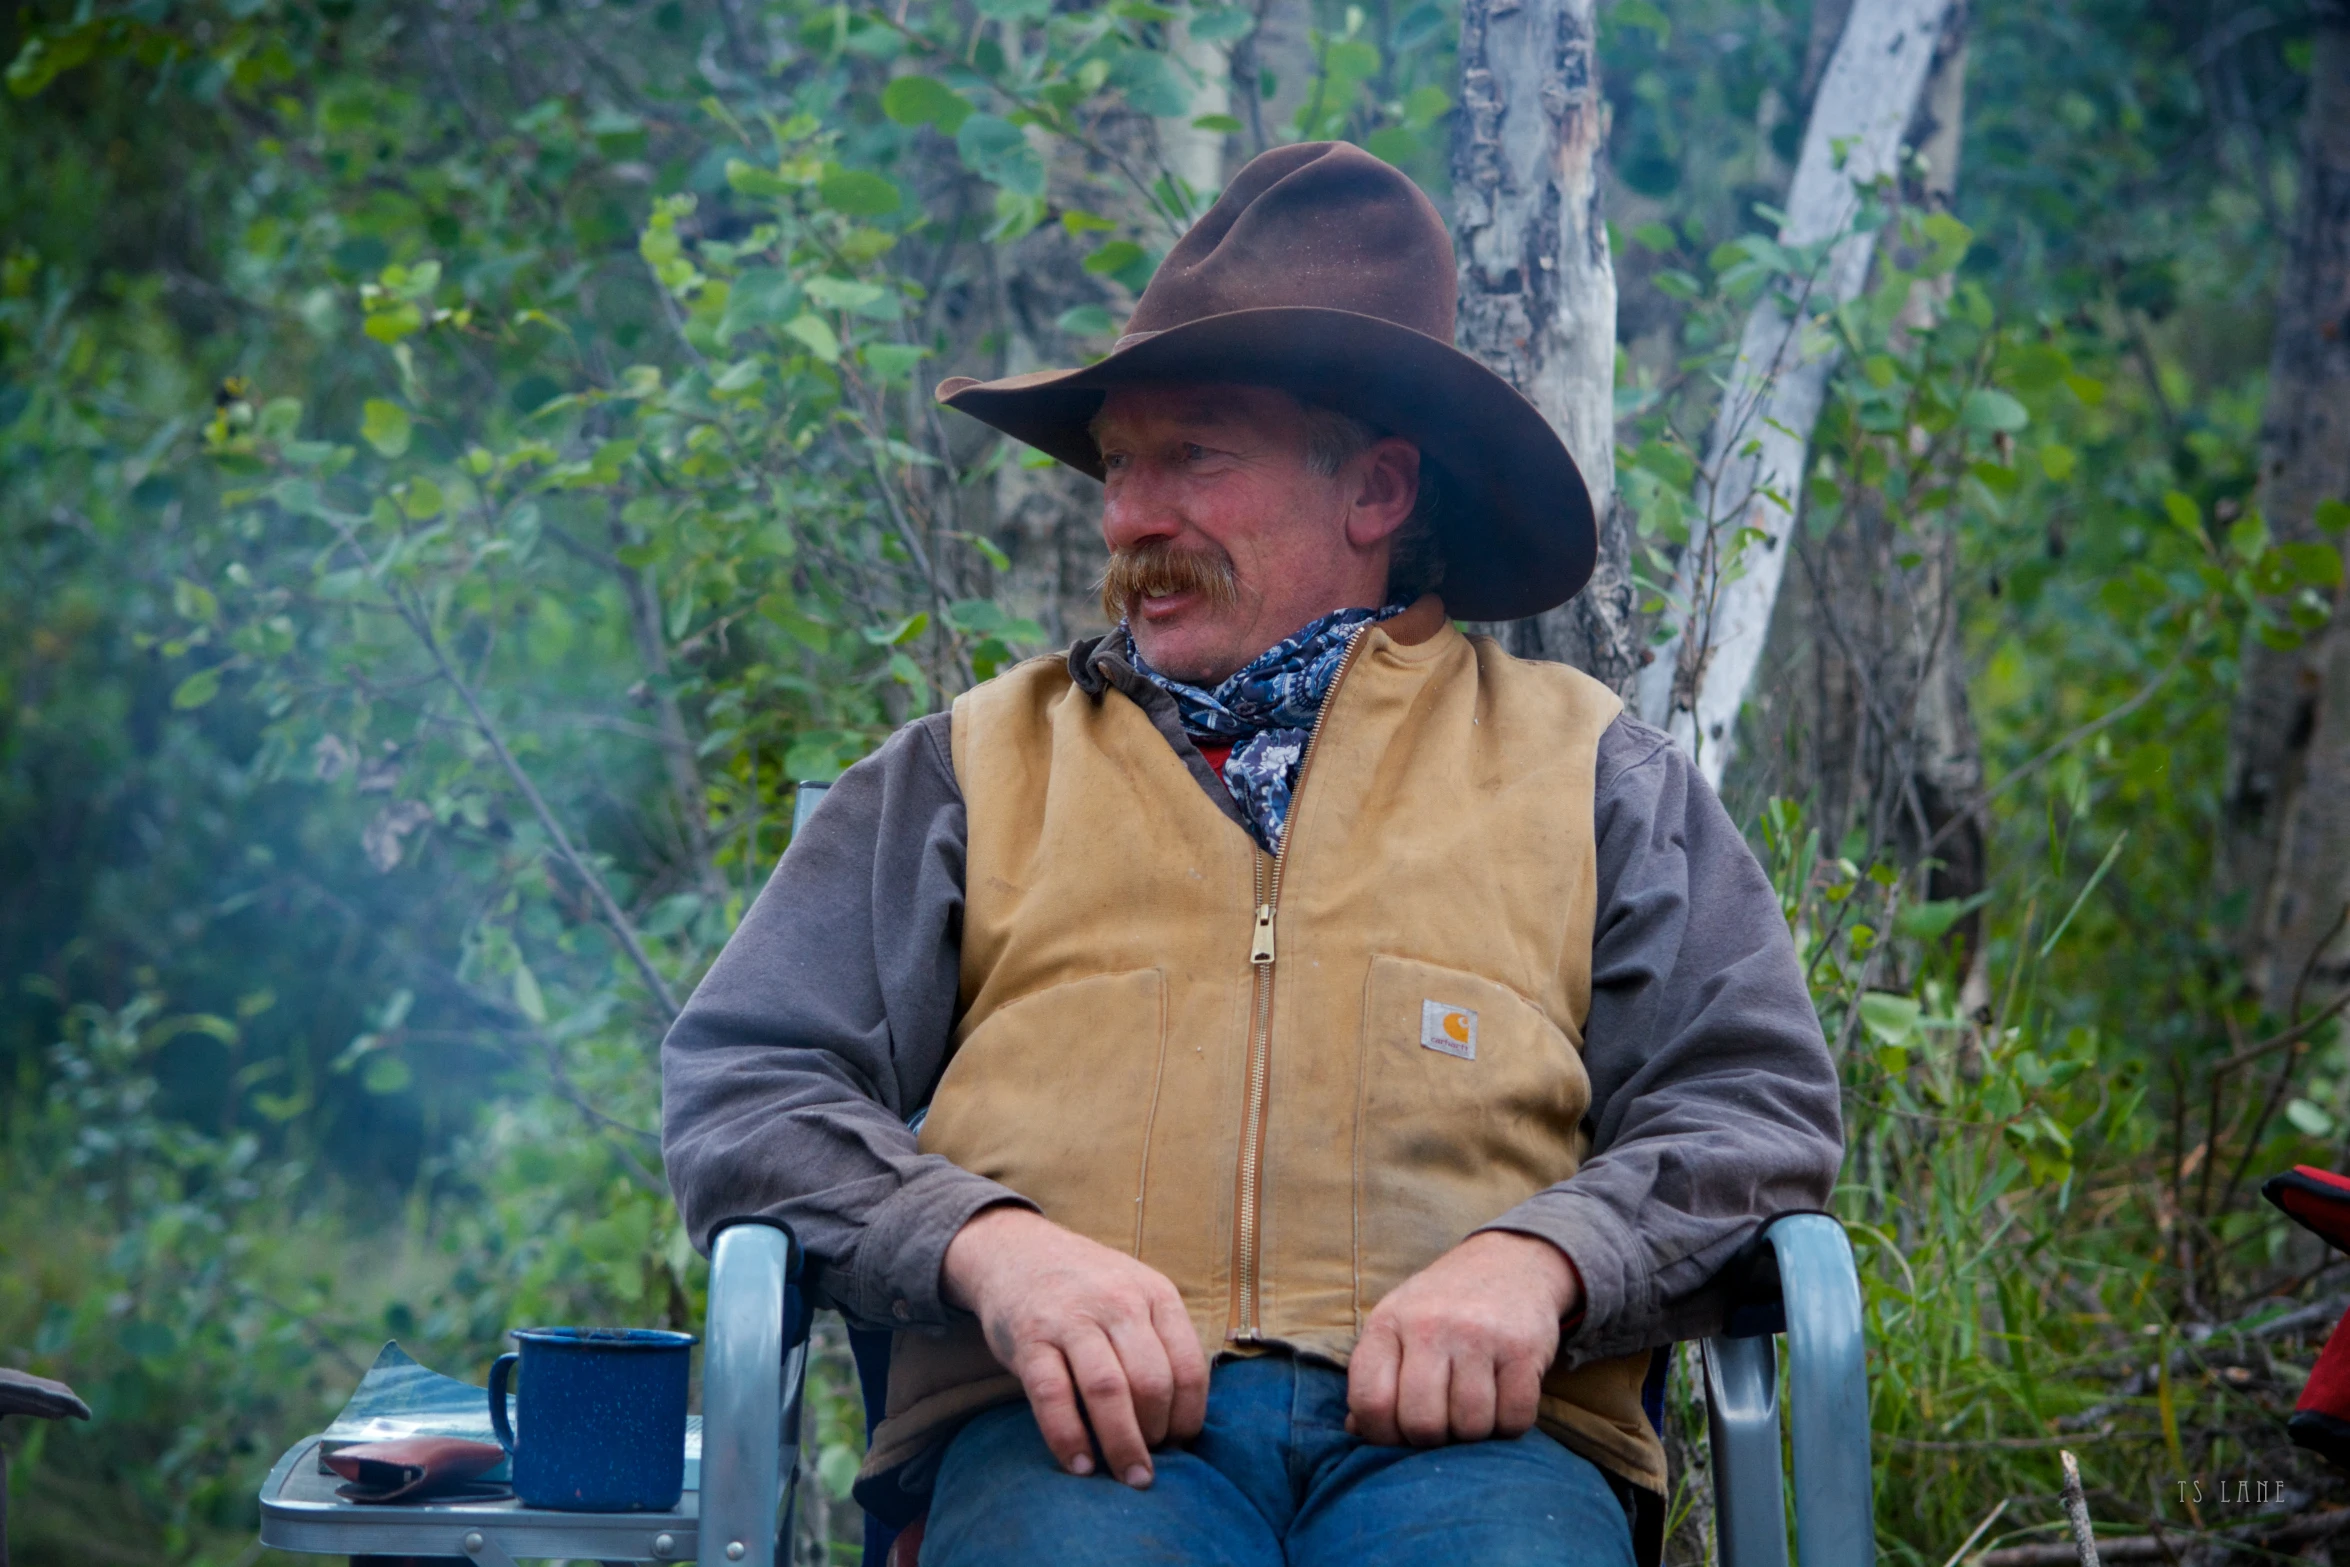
(1386, 484)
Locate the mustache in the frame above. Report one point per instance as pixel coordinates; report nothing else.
(1160, 568)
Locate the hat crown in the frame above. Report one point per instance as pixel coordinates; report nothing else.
(1323, 225)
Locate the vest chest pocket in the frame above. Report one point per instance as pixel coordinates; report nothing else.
(1471, 1101)
(1052, 1095)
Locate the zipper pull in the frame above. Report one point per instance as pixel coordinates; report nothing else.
(1262, 951)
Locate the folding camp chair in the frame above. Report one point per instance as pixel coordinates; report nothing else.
(1795, 1278)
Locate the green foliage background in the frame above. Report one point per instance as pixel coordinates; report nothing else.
(459, 464)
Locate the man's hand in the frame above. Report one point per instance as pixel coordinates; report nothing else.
(1069, 1316)
(1457, 1352)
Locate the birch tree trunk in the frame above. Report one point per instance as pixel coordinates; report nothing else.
(1865, 687)
(2286, 848)
(1538, 290)
(1749, 483)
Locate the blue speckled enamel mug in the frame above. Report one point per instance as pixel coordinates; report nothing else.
(602, 1412)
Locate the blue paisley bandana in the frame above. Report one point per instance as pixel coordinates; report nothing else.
(1266, 713)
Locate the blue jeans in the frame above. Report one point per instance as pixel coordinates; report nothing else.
(1273, 1478)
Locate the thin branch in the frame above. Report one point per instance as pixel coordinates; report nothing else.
(2076, 1511)
(2285, 1036)
(605, 903)
(1981, 1529)
(2153, 1548)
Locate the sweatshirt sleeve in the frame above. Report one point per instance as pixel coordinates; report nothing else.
(788, 1079)
(1714, 1104)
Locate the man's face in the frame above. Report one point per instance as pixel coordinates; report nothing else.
(1223, 538)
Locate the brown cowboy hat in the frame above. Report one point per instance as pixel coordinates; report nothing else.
(1326, 273)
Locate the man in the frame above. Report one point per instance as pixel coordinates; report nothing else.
(1341, 1051)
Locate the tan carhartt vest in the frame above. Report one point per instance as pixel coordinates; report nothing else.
(1286, 1121)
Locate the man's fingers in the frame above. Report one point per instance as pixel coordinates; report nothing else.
(1474, 1397)
(1370, 1385)
(1150, 1380)
(1423, 1395)
(1109, 1404)
(1187, 1408)
(1517, 1396)
(1052, 1396)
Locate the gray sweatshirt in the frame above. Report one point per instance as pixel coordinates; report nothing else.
(825, 1024)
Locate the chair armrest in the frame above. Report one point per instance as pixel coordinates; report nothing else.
(1797, 1277)
(748, 1380)
(1828, 1385)
(1742, 1425)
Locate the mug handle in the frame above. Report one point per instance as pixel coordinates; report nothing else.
(501, 1372)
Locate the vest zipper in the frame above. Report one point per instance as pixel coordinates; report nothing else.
(1244, 1327)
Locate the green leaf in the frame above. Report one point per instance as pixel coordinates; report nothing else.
(385, 1074)
(2331, 516)
(1658, 237)
(840, 293)
(816, 336)
(385, 426)
(859, 193)
(2057, 462)
(1932, 921)
(394, 322)
(1988, 408)
(1218, 124)
(894, 361)
(907, 673)
(1643, 14)
(2308, 1119)
(740, 376)
(279, 418)
(2312, 565)
(1424, 105)
(762, 296)
(1113, 257)
(2184, 514)
(192, 601)
(528, 1000)
(980, 617)
(997, 150)
(1216, 25)
(198, 689)
(749, 179)
(1893, 1019)
(1087, 321)
(924, 100)
(1076, 221)
(903, 632)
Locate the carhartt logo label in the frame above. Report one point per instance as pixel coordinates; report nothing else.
(1450, 1029)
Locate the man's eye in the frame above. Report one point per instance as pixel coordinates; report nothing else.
(1113, 461)
(1193, 451)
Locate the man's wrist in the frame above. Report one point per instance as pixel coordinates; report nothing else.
(961, 1269)
(1552, 1264)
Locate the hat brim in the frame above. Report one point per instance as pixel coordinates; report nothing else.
(1518, 537)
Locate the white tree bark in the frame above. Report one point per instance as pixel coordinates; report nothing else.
(1749, 483)
(1538, 290)
(1197, 156)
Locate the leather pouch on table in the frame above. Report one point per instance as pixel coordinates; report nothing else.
(417, 1469)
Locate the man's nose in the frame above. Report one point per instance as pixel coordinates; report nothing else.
(1137, 508)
